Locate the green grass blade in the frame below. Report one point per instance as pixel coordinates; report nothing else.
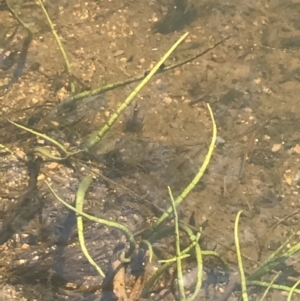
(178, 252)
(60, 46)
(94, 140)
(174, 258)
(239, 257)
(74, 98)
(149, 246)
(6, 149)
(198, 176)
(83, 186)
(270, 264)
(195, 239)
(273, 286)
(269, 287)
(168, 263)
(44, 136)
(292, 290)
(98, 220)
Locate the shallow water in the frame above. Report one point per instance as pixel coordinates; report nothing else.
(251, 82)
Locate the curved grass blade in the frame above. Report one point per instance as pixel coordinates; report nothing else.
(102, 221)
(292, 290)
(195, 239)
(198, 176)
(239, 257)
(47, 154)
(83, 186)
(149, 246)
(159, 272)
(44, 136)
(218, 256)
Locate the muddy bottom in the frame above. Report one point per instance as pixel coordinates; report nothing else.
(250, 80)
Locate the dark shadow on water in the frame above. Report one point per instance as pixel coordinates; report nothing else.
(179, 15)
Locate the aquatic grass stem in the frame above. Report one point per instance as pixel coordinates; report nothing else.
(44, 136)
(270, 285)
(150, 248)
(292, 290)
(198, 176)
(93, 140)
(98, 220)
(177, 246)
(60, 46)
(275, 259)
(198, 252)
(74, 98)
(44, 151)
(239, 257)
(169, 262)
(174, 258)
(16, 16)
(6, 149)
(273, 286)
(83, 187)
(159, 272)
(215, 254)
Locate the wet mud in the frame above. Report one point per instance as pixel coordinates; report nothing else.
(251, 82)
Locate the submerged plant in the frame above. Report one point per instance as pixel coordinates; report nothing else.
(168, 223)
(180, 255)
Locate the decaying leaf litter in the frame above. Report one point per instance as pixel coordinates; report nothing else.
(116, 169)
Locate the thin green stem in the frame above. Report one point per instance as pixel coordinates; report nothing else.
(98, 220)
(83, 186)
(292, 290)
(198, 252)
(239, 257)
(198, 176)
(95, 139)
(60, 46)
(273, 286)
(268, 288)
(177, 246)
(44, 136)
(70, 101)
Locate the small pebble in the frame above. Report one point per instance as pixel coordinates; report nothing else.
(25, 246)
(276, 147)
(118, 52)
(297, 149)
(41, 177)
(167, 100)
(220, 140)
(52, 165)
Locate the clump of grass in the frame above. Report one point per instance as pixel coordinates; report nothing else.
(268, 266)
(159, 229)
(180, 255)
